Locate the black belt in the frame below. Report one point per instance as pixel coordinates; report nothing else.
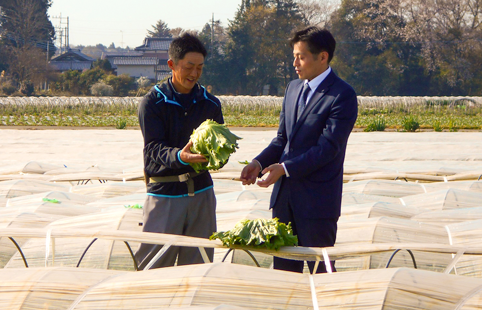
(184, 178)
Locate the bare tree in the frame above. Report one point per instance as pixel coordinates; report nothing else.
(450, 33)
(26, 21)
(26, 28)
(176, 32)
(27, 64)
(317, 12)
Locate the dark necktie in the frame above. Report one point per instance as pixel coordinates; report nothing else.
(302, 101)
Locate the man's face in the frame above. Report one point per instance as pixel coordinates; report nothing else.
(307, 65)
(186, 72)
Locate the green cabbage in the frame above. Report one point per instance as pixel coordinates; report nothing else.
(259, 233)
(215, 142)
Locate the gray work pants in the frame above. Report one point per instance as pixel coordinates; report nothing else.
(190, 216)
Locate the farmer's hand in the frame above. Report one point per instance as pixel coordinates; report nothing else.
(250, 173)
(276, 171)
(188, 157)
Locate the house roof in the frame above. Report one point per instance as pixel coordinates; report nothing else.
(70, 65)
(130, 61)
(110, 55)
(72, 55)
(155, 44)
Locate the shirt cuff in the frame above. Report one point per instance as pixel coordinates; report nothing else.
(286, 170)
(259, 164)
(180, 160)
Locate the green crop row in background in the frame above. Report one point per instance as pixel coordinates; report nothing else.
(375, 113)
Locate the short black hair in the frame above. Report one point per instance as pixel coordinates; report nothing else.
(318, 40)
(184, 44)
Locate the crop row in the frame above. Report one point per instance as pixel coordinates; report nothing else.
(242, 111)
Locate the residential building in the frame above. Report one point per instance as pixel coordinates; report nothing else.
(71, 60)
(149, 60)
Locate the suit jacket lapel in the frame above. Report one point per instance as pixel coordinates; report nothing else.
(293, 97)
(320, 91)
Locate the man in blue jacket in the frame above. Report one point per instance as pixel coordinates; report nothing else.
(179, 201)
(305, 160)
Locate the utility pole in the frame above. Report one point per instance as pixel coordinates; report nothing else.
(122, 39)
(47, 65)
(64, 39)
(68, 33)
(212, 31)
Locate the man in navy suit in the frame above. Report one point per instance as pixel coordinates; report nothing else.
(305, 160)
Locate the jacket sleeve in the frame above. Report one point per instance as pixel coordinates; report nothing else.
(155, 129)
(333, 139)
(218, 118)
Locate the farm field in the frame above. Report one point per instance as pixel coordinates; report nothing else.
(419, 191)
(375, 113)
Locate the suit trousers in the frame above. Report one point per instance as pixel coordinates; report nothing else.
(311, 232)
(189, 216)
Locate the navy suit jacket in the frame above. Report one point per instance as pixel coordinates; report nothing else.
(313, 148)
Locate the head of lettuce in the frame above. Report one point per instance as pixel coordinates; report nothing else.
(215, 142)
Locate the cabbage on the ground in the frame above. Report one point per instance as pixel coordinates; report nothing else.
(259, 233)
(215, 142)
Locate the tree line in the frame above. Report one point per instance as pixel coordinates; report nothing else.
(384, 47)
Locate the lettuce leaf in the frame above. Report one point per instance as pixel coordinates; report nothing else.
(259, 233)
(215, 142)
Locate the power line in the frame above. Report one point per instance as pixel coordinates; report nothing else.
(63, 30)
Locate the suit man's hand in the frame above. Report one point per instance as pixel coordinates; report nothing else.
(276, 171)
(188, 157)
(250, 173)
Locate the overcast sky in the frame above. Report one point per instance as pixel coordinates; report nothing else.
(125, 23)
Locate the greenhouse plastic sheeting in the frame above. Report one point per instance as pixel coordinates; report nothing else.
(383, 188)
(444, 199)
(467, 233)
(103, 254)
(46, 288)
(57, 197)
(356, 198)
(392, 230)
(17, 188)
(122, 200)
(450, 216)
(110, 189)
(475, 186)
(228, 286)
(40, 168)
(245, 195)
(433, 202)
(378, 209)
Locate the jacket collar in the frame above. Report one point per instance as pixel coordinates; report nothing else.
(167, 92)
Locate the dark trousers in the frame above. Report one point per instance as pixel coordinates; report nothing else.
(311, 232)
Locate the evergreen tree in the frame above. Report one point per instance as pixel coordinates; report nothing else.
(159, 30)
(215, 67)
(26, 22)
(27, 34)
(258, 50)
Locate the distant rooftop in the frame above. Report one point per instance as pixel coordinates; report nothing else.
(70, 65)
(72, 55)
(148, 61)
(155, 44)
(71, 60)
(121, 54)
